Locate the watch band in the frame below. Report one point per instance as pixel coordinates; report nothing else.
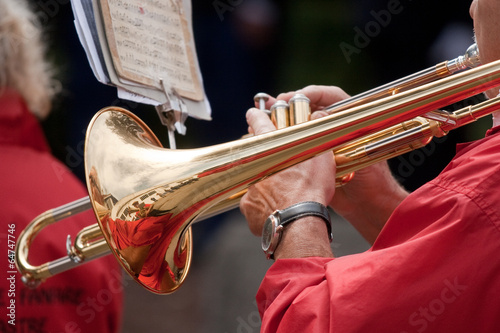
(306, 208)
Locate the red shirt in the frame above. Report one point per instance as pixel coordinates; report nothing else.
(435, 266)
(85, 299)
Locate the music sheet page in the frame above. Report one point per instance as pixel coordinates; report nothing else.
(150, 41)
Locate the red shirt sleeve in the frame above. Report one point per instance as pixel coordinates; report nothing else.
(419, 276)
(290, 294)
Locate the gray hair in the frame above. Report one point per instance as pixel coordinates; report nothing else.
(22, 57)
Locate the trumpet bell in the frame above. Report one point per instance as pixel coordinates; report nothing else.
(124, 163)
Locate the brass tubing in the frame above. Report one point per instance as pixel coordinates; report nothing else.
(32, 275)
(444, 69)
(373, 148)
(89, 243)
(471, 113)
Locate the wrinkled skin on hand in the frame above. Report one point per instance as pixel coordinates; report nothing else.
(310, 180)
(366, 201)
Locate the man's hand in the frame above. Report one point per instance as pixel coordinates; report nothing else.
(368, 199)
(311, 180)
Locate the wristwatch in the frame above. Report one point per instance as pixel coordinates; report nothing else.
(274, 224)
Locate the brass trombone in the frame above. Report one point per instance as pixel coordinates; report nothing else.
(145, 197)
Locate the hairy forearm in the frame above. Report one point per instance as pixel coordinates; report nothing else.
(306, 237)
(374, 213)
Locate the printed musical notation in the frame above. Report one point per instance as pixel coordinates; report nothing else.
(149, 41)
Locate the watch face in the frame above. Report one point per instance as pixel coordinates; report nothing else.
(268, 232)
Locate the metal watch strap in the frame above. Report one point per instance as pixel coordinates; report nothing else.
(306, 208)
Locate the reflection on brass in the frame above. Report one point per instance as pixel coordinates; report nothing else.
(146, 197)
(280, 114)
(300, 111)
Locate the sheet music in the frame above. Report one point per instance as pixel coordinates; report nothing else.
(148, 42)
(177, 67)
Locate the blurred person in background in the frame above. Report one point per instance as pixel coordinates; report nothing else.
(85, 299)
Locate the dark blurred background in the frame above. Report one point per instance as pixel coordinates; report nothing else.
(244, 47)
